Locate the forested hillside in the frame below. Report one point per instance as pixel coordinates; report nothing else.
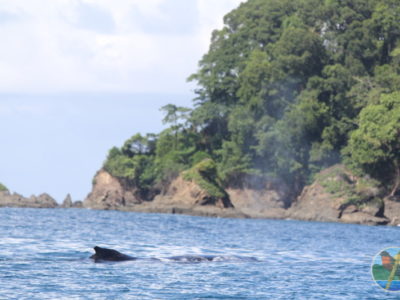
(287, 88)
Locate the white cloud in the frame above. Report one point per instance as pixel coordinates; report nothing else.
(97, 45)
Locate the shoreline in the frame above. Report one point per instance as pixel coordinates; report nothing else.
(209, 212)
(350, 201)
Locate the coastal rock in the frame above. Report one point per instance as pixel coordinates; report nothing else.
(374, 208)
(337, 195)
(181, 197)
(16, 200)
(363, 218)
(187, 193)
(264, 202)
(392, 211)
(110, 193)
(316, 204)
(67, 203)
(350, 209)
(45, 200)
(77, 204)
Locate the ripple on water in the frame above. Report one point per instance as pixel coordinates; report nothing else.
(44, 255)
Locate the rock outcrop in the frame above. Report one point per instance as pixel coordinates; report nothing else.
(181, 196)
(68, 203)
(16, 200)
(109, 192)
(266, 200)
(190, 193)
(392, 210)
(186, 193)
(77, 204)
(339, 196)
(188, 197)
(336, 195)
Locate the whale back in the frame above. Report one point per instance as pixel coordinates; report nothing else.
(106, 254)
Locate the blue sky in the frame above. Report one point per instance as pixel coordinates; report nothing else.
(80, 76)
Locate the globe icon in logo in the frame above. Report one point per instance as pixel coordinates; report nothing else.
(385, 269)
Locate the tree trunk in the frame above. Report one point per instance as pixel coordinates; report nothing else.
(396, 180)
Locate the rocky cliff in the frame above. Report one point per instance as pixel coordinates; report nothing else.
(190, 193)
(109, 192)
(181, 196)
(336, 195)
(68, 203)
(16, 200)
(259, 203)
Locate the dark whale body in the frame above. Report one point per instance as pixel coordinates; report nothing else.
(192, 258)
(104, 254)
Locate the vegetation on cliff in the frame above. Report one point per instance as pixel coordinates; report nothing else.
(205, 175)
(3, 188)
(354, 190)
(286, 89)
(375, 146)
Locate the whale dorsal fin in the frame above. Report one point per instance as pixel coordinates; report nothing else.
(109, 254)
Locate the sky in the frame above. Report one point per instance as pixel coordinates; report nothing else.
(78, 77)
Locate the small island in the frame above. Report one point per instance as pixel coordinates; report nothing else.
(296, 115)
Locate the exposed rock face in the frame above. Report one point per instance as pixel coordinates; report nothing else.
(67, 203)
(336, 196)
(109, 193)
(16, 200)
(392, 210)
(189, 193)
(78, 204)
(263, 203)
(188, 197)
(339, 196)
(360, 217)
(45, 200)
(181, 196)
(315, 204)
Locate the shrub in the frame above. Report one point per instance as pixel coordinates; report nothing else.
(205, 175)
(3, 188)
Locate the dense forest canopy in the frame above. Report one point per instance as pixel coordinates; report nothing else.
(288, 87)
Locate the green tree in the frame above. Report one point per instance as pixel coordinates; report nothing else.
(209, 120)
(134, 162)
(139, 144)
(174, 114)
(173, 153)
(279, 92)
(291, 78)
(375, 146)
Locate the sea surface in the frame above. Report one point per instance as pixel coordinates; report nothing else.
(44, 254)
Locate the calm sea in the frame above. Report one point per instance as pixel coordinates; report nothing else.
(44, 254)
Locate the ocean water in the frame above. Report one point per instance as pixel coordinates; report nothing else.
(44, 254)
